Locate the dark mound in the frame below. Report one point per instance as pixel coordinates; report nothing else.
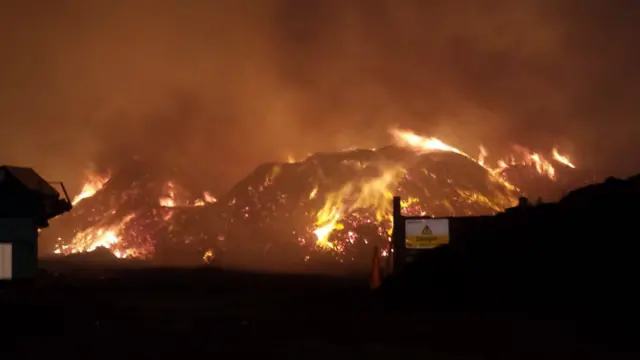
(99, 255)
(91, 264)
(579, 251)
(207, 312)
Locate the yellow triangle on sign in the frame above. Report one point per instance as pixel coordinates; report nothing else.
(426, 230)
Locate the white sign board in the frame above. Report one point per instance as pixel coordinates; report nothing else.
(426, 233)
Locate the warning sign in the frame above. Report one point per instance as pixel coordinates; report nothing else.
(426, 233)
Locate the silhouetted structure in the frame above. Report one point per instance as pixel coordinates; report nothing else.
(523, 202)
(27, 202)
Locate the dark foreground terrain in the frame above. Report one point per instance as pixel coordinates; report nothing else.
(95, 314)
(552, 281)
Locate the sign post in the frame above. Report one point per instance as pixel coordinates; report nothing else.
(412, 234)
(398, 236)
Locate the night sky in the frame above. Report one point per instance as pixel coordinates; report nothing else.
(221, 86)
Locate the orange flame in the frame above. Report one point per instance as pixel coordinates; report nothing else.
(171, 199)
(563, 159)
(92, 185)
(102, 236)
(522, 157)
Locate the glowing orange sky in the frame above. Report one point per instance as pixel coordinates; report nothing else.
(184, 81)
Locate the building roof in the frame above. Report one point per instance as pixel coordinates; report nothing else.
(29, 178)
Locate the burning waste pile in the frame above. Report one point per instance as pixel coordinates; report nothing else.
(134, 213)
(328, 208)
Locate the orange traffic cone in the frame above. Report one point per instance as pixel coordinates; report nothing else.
(375, 270)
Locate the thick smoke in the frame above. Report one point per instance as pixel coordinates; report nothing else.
(219, 86)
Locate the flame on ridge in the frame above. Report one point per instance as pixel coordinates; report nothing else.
(377, 193)
(523, 155)
(563, 159)
(92, 185)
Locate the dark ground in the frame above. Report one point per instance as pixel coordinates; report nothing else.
(95, 314)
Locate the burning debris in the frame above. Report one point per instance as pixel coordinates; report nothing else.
(327, 207)
(538, 177)
(134, 214)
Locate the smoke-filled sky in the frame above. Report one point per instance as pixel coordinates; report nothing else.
(220, 86)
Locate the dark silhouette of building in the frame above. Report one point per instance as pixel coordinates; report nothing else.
(27, 203)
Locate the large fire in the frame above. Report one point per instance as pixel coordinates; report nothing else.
(329, 203)
(128, 223)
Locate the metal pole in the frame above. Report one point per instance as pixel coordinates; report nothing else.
(398, 235)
